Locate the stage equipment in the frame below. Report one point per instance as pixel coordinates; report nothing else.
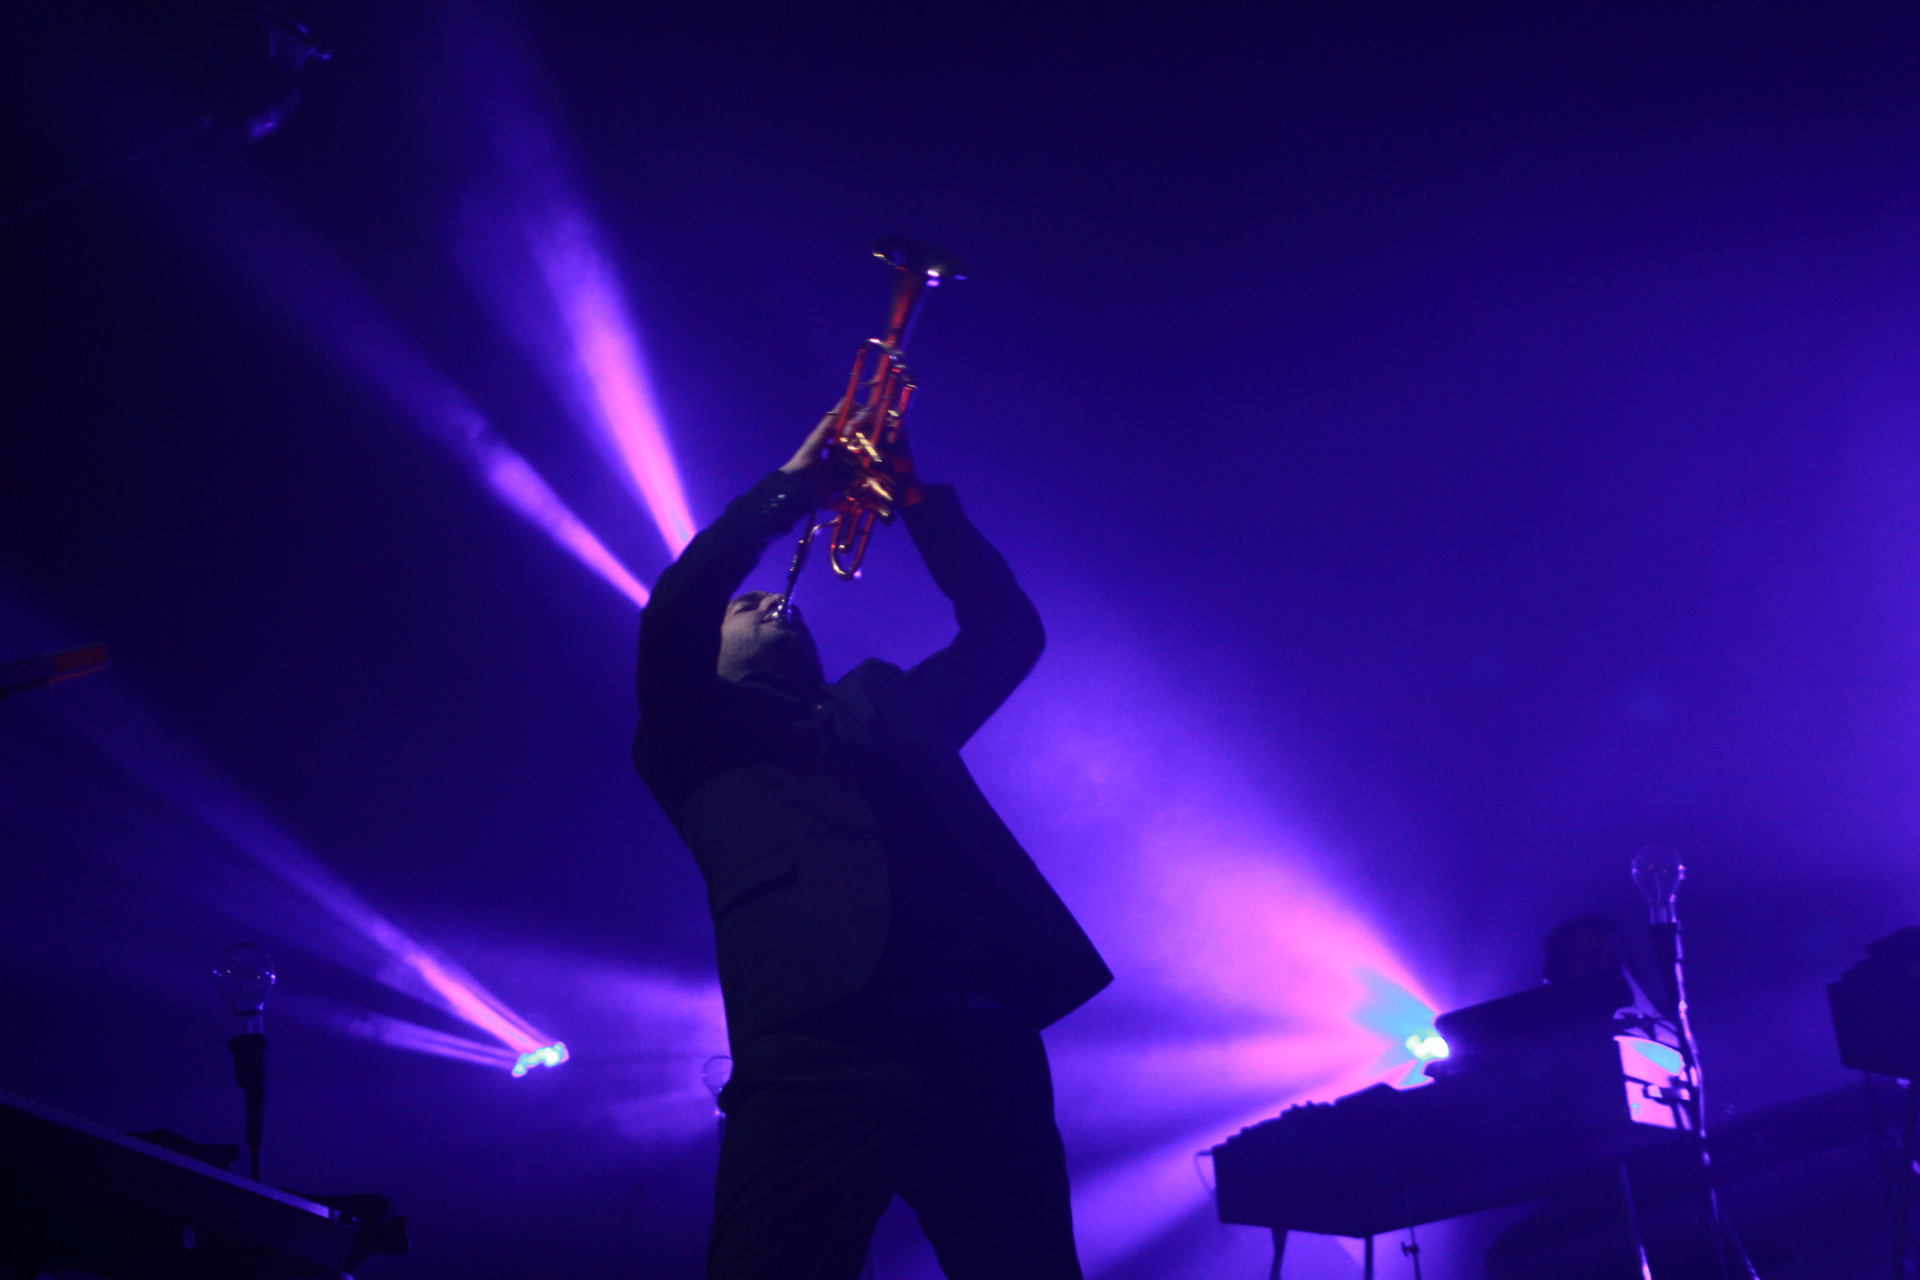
(244, 976)
(76, 1197)
(1876, 1019)
(1876, 1008)
(1361, 1163)
(547, 1055)
(1529, 1093)
(52, 668)
(865, 444)
(1536, 1087)
(1658, 872)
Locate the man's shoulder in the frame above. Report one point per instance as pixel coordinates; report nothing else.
(874, 688)
(871, 669)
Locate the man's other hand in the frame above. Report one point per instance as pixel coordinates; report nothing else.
(826, 473)
(829, 470)
(810, 460)
(814, 462)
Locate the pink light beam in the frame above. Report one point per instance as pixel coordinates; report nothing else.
(585, 292)
(138, 741)
(513, 478)
(266, 248)
(541, 263)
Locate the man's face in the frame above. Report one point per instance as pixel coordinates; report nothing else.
(757, 635)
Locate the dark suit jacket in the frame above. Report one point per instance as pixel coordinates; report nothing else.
(788, 840)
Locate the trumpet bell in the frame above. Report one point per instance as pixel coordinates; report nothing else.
(919, 258)
(921, 267)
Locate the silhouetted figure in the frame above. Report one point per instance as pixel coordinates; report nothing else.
(888, 953)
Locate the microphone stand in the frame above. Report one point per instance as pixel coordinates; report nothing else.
(1658, 872)
(244, 976)
(250, 1073)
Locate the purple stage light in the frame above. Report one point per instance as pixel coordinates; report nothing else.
(514, 479)
(265, 248)
(338, 920)
(1125, 1206)
(653, 1033)
(536, 254)
(587, 297)
(408, 1035)
(1249, 976)
(468, 1000)
(551, 1055)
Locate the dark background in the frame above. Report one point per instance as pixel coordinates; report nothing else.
(1453, 445)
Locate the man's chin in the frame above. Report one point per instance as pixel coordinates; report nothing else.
(782, 640)
(789, 652)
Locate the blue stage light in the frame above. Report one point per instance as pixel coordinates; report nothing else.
(547, 1056)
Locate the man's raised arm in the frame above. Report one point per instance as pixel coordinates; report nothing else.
(680, 627)
(1000, 633)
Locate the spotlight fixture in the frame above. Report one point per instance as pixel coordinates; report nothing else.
(551, 1055)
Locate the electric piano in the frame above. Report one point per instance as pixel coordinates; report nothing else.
(79, 1198)
(1536, 1087)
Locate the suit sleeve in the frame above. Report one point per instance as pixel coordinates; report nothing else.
(680, 627)
(1000, 636)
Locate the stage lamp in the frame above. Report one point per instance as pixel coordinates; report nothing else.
(550, 1055)
(715, 1073)
(1658, 871)
(244, 976)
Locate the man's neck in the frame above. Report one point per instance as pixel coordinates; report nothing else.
(809, 686)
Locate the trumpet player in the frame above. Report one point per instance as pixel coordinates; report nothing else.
(888, 953)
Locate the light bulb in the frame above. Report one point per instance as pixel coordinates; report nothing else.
(1658, 871)
(244, 976)
(715, 1074)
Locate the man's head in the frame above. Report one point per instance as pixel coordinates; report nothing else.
(757, 635)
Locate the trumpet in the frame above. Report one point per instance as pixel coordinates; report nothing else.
(865, 439)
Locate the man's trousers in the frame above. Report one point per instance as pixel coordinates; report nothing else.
(953, 1114)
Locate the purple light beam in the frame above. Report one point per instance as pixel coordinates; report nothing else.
(135, 739)
(1249, 976)
(585, 292)
(265, 248)
(537, 256)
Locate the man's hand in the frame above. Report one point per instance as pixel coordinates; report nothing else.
(830, 469)
(814, 462)
(905, 476)
(811, 457)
